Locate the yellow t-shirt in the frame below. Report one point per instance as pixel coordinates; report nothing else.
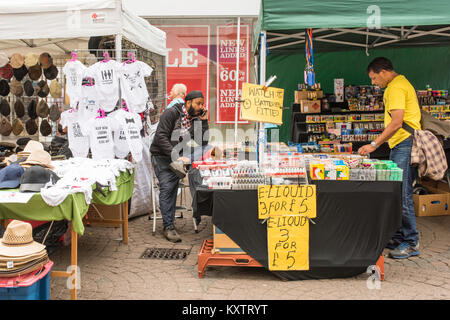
(400, 94)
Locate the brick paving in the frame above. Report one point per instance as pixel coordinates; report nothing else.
(113, 270)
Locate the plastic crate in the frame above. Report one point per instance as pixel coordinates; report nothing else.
(32, 286)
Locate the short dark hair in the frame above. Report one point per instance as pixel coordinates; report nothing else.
(379, 64)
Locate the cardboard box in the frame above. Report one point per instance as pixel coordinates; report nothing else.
(310, 106)
(104, 216)
(223, 244)
(308, 95)
(432, 204)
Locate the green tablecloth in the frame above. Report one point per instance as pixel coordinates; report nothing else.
(73, 208)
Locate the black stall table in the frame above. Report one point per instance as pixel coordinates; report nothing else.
(355, 220)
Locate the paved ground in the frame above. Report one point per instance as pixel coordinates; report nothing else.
(112, 270)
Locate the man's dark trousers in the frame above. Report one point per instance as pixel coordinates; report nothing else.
(168, 188)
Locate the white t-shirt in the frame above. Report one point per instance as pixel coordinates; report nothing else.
(121, 148)
(74, 71)
(132, 84)
(89, 103)
(131, 125)
(78, 143)
(101, 141)
(106, 75)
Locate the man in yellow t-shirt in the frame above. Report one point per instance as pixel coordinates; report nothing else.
(401, 105)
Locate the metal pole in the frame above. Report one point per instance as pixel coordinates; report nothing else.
(262, 81)
(237, 79)
(119, 59)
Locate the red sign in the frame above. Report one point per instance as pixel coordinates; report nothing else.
(188, 58)
(226, 71)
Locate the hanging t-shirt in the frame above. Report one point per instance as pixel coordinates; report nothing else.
(121, 148)
(132, 84)
(106, 75)
(78, 143)
(89, 103)
(101, 141)
(131, 125)
(74, 71)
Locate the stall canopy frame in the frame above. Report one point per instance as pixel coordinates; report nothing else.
(38, 23)
(353, 23)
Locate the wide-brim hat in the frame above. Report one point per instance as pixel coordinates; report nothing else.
(6, 72)
(18, 240)
(17, 60)
(51, 72)
(35, 72)
(19, 108)
(39, 157)
(32, 145)
(16, 88)
(20, 73)
(4, 88)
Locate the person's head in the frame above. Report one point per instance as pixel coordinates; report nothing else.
(178, 91)
(195, 103)
(381, 71)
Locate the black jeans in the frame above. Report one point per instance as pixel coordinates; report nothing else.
(168, 188)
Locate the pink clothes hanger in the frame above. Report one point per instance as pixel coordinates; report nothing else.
(74, 55)
(102, 114)
(106, 56)
(124, 106)
(132, 60)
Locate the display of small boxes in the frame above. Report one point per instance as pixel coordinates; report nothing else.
(310, 106)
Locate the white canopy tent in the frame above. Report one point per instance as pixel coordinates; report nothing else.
(60, 25)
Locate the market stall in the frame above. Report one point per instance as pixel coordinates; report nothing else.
(58, 40)
(350, 219)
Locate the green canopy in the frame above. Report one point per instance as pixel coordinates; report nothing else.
(291, 17)
(347, 34)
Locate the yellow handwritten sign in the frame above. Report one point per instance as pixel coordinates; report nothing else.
(279, 200)
(260, 105)
(288, 242)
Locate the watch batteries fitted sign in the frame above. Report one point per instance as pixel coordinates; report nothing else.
(262, 105)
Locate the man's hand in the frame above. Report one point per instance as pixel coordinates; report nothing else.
(184, 160)
(365, 150)
(205, 116)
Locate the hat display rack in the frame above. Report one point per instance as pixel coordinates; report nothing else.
(155, 84)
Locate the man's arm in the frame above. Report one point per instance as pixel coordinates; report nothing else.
(164, 132)
(388, 132)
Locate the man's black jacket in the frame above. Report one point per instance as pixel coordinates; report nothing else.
(167, 134)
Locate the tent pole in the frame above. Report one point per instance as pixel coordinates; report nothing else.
(262, 81)
(118, 45)
(237, 78)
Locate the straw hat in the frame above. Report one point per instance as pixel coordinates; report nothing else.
(18, 241)
(39, 157)
(33, 145)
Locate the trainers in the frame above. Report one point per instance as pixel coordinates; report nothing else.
(171, 234)
(404, 250)
(392, 244)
